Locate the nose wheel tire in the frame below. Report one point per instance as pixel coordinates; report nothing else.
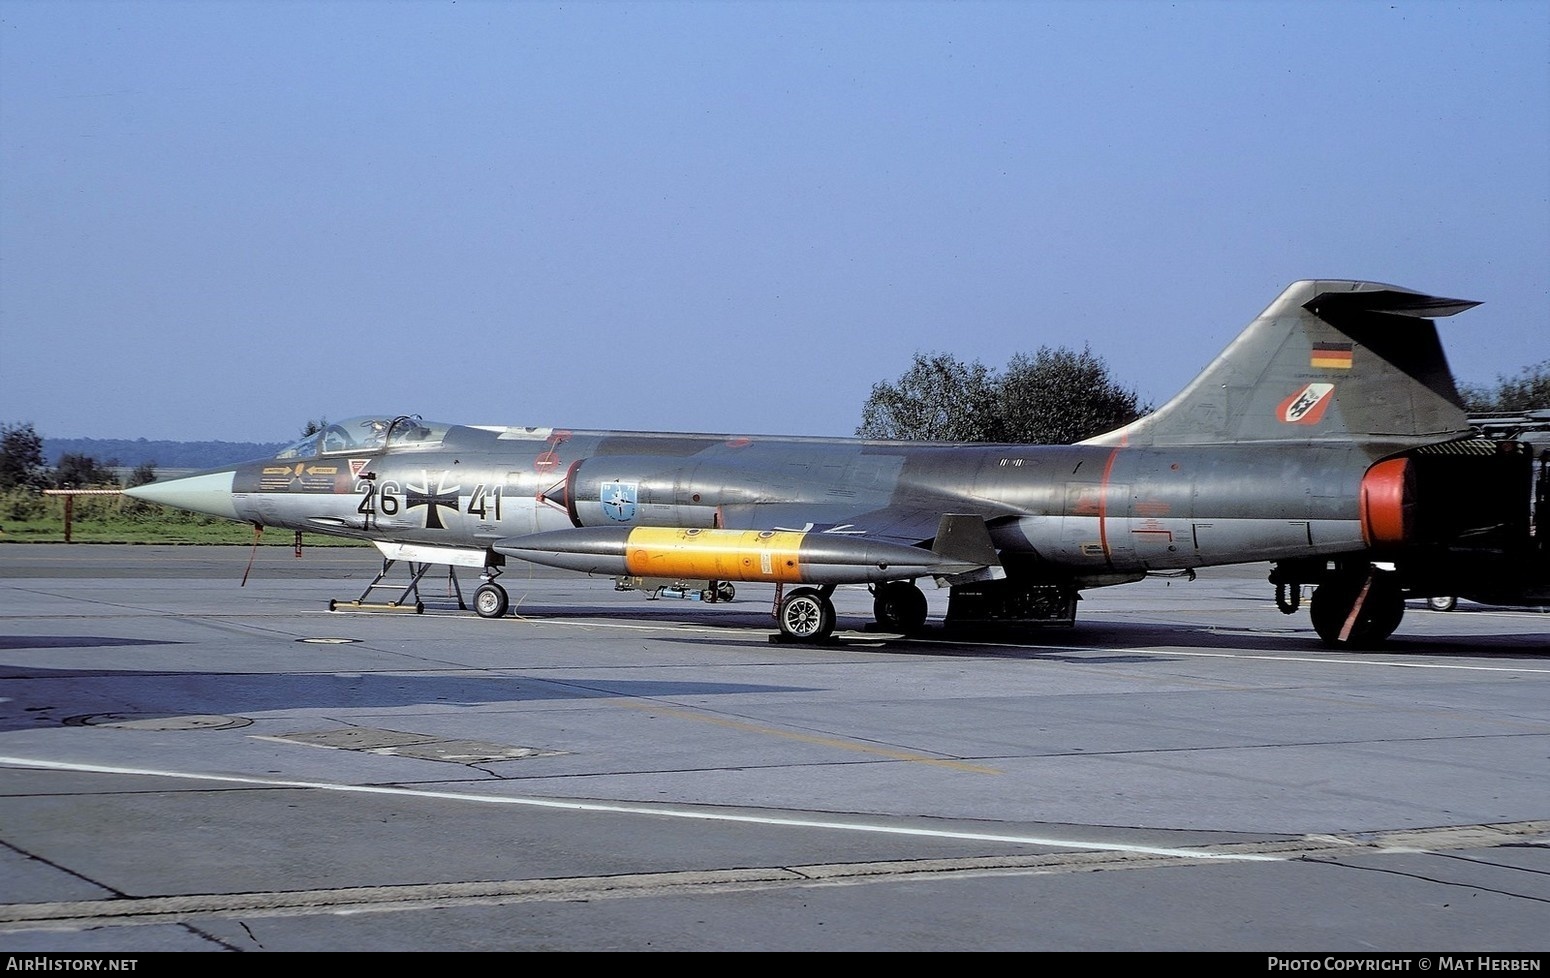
(490, 601)
(805, 615)
(1446, 603)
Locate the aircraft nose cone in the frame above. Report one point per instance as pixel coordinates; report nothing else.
(209, 492)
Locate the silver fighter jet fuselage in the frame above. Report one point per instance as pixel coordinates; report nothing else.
(1328, 439)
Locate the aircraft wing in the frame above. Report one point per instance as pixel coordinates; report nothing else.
(914, 527)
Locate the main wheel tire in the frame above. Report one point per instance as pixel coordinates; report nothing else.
(490, 601)
(1442, 603)
(725, 591)
(805, 615)
(1383, 607)
(900, 605)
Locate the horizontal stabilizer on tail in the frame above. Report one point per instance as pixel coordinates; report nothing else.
(1393, 302)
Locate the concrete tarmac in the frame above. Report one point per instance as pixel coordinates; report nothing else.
(191, 763)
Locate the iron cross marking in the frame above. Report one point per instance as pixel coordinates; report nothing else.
(431, 499)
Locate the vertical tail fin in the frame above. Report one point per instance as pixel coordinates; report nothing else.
(1327, 360)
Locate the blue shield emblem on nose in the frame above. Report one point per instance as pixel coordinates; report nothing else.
(618, 499)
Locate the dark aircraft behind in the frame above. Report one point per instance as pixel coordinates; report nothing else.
(1328, 439)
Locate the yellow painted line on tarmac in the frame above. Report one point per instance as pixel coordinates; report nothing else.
(835, 742)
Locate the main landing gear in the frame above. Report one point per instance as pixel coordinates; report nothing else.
(899, 606)
(1352, 607)
(806, 614)
(1357, 612)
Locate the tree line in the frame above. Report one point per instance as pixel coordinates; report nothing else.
(23, 466)
(1528, 391)
(1058, 396)
(163, 453)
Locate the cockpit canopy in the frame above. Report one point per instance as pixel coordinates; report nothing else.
(368, 434)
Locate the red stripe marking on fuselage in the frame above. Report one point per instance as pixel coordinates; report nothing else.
(1103, 506)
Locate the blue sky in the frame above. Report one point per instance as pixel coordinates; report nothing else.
(221, 219)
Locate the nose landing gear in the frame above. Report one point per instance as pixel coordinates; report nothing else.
(490, 600)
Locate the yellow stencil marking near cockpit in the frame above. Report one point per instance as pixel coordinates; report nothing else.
(715, 555)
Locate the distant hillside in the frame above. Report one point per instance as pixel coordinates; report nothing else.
(128, 453)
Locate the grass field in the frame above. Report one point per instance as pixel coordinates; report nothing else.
(27, 516)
